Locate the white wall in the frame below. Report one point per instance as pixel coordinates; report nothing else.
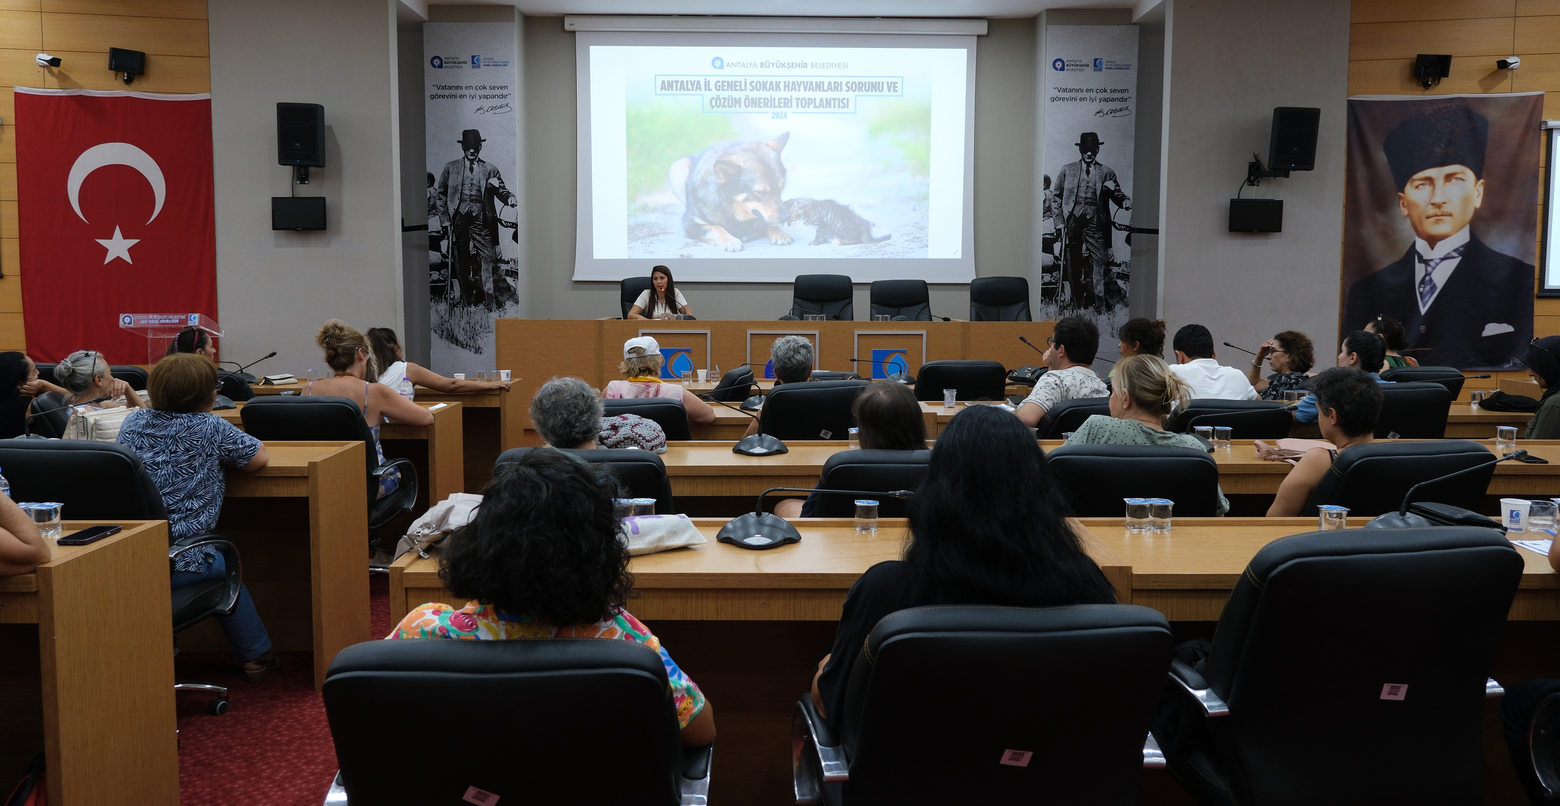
(1228, 64)
(274, 289)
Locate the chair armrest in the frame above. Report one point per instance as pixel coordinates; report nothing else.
(405, 465)
(1196, 686)
(1153, 757)
(1493, 689)
(696, 775)
(1541, 744)
(230, 559)
(809, 729)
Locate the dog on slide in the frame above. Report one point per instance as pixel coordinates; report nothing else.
(731, 193)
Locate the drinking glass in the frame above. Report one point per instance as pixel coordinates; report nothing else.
(1541, 517)
(1221, 436)
(1505, 439)
(949, 396)
(1204, 432)
(311, 375)
(866, 515)
(880, 317)
(1066, 435)
(687, 377)
(1477, 396)
(855, 438)
(1159, 513)
(1330, 517)
(1138, 515)
(47, 517)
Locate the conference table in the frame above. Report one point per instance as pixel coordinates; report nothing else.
(87, 673)
(301, 525)
(750, 626)
(535, 350)
(435, 449)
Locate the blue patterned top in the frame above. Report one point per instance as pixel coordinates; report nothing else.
(185, 453)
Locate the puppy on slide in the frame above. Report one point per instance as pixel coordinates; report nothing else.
(731, 193)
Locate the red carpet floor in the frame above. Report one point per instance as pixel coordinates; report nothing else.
(272, 747)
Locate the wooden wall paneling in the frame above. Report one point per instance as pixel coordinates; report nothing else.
(1410, 10)
(98, 32)
(174, 9)
(18, 5)
(1537, 35)
(18, 68)
(7, 181)
(20, 29)
(177, 74)
(12, 335)
(8, 105)
(1403, 40)
(1538, 72)
(11, 257)
(1396, 77)
(10, 294)
(1530, 8)
(9, 228)
(7, 140)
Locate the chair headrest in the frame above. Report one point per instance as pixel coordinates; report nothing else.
(312, 418)
(1362, 542)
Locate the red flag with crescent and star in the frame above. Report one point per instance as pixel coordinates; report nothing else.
(117, 216)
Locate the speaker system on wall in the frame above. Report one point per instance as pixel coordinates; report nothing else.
(1256, 215)
(1292, 144)
(300, 135)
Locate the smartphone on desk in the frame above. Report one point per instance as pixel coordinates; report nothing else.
(91, 534)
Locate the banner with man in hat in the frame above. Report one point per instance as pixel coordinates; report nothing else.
(1084, 254)
(472, 136)
(1440, 224)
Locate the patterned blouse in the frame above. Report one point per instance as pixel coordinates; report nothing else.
(1066, 384)
(185, 453)
(1281, 382)
(480, 622)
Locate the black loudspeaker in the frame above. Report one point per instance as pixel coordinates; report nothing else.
(1293, 143)
(297, 212)
(126, 61)
(300, 135)
(1256, 215)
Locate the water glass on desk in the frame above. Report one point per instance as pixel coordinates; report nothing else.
(1505, 439)
(1221, 436)
(1138, 515)
(866, 515)
(47, 516)
(1204, 432)
(1541, 517)
(1331, 518)
(855, 438)
(687, 378)
(1477, 396)
(1159, 510)
(949, 397)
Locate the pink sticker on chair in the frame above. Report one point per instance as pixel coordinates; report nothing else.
(1394, 691)
(1016, 758)
(479, 797)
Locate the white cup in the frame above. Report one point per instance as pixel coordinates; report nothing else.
(949, 397)
(460, 376)
(1513, 514)
(503, 374)
(704, 375)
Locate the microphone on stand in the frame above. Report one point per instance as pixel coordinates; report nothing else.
(1042, 352)
(759, 530)
(1401, 519)
(1242, 349)
(27, 422)
(245, 376)
(896, 377)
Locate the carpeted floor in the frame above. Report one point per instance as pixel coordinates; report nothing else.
(273, 746)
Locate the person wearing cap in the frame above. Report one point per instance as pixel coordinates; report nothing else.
(1542, 360)
(1085, 189)
(467, 190)
(641, 370)
(1462, 303)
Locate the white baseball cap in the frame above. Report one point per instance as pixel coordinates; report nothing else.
(644, 345)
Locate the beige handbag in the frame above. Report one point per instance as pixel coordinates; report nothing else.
(101, 425)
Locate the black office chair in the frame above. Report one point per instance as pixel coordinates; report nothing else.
(129, 373)
(104, 481)
(328, 419)
(1372, 479)
(1542, 750)
(1413, 410)
(559, 704)
(827, 294)
(1445, 376)
(1348, 667)
(639, 474)
(735, 386)
(901, 300)
(875, 470)
(1068, 415)
(999, 299)
(629, 290)
(832, 375)
(975, 380)
(814, 410)
(1098, 477)
(667, 412)
(1199, 407)
(1078, 687)
(1256, 424)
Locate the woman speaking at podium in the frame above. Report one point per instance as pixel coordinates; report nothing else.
(661, 300)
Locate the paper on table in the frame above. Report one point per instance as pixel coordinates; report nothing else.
(1535, 546)
(437, 406)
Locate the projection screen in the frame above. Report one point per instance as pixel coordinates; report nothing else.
(758, 157)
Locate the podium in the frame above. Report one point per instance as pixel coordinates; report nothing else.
(161, 328)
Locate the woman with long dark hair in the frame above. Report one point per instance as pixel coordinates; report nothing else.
(988, 526)
(545, 557)
(661, 300)
(1396, 339)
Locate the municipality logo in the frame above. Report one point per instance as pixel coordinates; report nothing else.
(718, 63)
(476, 63)
(675, 361)
(437, 62)
(1099, 65)
(1058, 65)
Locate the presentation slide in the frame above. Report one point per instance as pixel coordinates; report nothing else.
(755, 158)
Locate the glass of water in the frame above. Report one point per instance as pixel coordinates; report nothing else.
(950, 396)
(1159, 514)
(1204, 432)
(1330, 518)
(1505, 439)
(1221, 436)
(48, 518)
(311, 375)
(866, 515)
(1138, 515)
(687, 377)
(855, 437)
(1541, 517)
(880, 317)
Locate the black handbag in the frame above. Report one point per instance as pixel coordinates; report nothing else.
(1500, 401)
(1026, 376)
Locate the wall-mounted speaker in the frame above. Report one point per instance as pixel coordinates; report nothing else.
(298, 212)
(300, 135)
(1292, 144)
(1256, 215)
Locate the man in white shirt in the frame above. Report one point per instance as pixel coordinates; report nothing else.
(1071, 351)
(1196, 364)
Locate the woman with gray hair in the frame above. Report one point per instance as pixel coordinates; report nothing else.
(567, 413)
(791, 357)
(84, 376)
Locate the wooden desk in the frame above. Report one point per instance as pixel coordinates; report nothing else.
(1471, 422)
(592, 348)
(436, 449)
(88, 674)
(488, 425)
(294, 388)
(301, 525)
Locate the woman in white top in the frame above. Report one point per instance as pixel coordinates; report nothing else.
(652, 303)
(641, 370)
(395, 369)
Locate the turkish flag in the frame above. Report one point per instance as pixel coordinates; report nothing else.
(117, 216)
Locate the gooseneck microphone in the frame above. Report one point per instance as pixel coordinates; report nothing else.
(710, 399)
(245, 376)
(759, 530)
(1242, 349)
(1042, 352)
(1401, 518)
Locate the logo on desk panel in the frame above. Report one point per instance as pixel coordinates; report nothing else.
(769, 370)
(675, 361)
(889, 362)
